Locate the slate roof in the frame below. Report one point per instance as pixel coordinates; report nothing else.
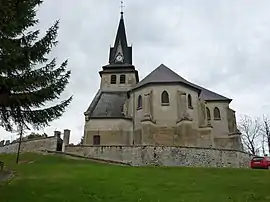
(163, 74)
(107, 104)
(208, 95)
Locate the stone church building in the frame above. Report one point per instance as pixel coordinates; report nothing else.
(161, 109)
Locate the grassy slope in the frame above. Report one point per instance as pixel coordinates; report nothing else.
(56, 179)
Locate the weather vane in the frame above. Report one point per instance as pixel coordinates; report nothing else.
(122, 7)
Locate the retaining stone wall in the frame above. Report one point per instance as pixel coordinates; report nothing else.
(35, 145)
(165, 155)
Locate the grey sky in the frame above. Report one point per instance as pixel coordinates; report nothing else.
(223, 45)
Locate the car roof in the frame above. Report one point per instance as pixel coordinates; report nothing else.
(261, 157)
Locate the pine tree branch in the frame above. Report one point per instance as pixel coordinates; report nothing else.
(37, 98)
(5, 119)
(17, 16)
(35, 79)
(19, 54)
(14, 57)
(24, 89)
(37, 118)
(41, 118)
(44, 46)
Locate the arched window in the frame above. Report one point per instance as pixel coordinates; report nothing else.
(113, 79)
(217, 114)
(165, 98)
(189, 101)
(139, 103)
(208, 114)
(122, 79)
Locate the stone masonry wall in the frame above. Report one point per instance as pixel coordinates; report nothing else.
(36, 145)
(110, 137)
(165, 155)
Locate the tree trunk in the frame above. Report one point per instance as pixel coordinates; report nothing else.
(19, 146)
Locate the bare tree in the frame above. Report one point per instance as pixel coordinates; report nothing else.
(263, 143)
(251, 132)
(266, 134)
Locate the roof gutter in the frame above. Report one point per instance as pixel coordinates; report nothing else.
(228, 100)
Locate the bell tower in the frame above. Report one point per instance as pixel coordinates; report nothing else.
(119, 74)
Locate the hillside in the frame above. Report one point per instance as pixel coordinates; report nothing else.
(55, 179)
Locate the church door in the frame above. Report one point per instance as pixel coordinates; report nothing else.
(96, 140)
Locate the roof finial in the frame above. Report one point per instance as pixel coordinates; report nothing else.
(122, 8)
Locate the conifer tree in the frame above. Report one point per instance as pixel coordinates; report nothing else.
(29, 81)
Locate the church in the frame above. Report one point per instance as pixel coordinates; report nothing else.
(163, 109)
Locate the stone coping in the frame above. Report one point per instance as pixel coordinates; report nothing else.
(137, 146)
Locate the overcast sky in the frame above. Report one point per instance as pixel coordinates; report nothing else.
(223, 45)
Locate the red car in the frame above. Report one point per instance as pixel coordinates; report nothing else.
(260, 162)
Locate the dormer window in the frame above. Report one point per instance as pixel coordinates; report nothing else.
(113, 79)
(122, 79)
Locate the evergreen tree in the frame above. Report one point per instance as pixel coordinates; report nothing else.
(81, 141)
(29, 81)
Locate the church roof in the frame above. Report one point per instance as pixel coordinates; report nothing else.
(110, 104)
(163, 74)
(107, 105)
(208, 95)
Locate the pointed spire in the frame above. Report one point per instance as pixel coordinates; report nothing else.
(121, 52)
(121, 33)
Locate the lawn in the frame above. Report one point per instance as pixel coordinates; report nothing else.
(55, 179)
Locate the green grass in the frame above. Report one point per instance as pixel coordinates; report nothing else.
(56, 179)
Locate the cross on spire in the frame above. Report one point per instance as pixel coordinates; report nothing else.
(122, 7)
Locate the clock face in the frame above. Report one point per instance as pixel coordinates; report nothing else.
(119, 58)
